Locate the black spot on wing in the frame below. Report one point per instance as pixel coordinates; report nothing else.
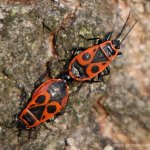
(95, 69)
(40, 99)
(51, 108)
(86, 56)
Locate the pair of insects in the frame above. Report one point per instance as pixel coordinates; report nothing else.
(49, 98)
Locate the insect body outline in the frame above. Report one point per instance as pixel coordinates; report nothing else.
(94, 61)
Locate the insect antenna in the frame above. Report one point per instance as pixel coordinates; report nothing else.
(8, 126)
(128, 32)
(116, 19)
(109, 34)
(123, 26)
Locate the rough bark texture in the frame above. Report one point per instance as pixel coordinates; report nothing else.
(113, 115)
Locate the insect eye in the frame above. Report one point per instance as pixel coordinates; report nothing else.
(116, 43)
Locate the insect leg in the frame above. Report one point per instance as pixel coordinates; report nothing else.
(42, 76)
(29, 134)
(90, 39)
(48, 65)
(72, 56)
(78, 88)
(119, 53)
(73, 53)
(75, 50)
(107, 36)
(39, 80)
(46, 126)
(11, 125)
(92, 81)
(19, 134)
(100, 78)
(32, 133)
(106, 71)
(23, 96)
(79, 49)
